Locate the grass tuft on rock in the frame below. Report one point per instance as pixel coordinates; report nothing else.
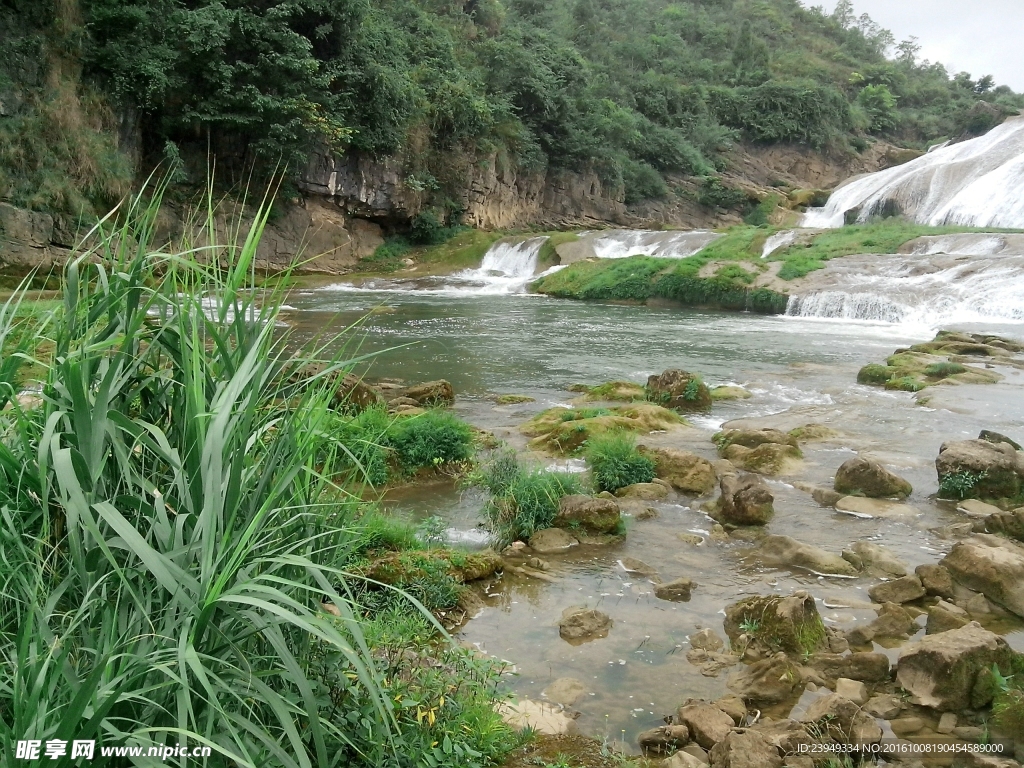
(616, 463)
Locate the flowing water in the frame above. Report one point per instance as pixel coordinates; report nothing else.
(488, 341)
(977, 183)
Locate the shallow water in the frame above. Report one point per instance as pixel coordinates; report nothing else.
(802, 368)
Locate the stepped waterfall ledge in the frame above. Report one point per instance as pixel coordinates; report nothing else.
(977, 183)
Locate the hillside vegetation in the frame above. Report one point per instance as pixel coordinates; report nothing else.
(634, 89)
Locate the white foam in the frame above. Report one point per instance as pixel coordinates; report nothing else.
(778, 241)
(623, 243)
(977, 183)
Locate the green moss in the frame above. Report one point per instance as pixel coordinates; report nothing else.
(513, 399)
(944, 370)
(905, 384)
(548, 255)
(625, 391)
(875, 374)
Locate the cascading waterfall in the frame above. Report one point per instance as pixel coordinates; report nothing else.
(919, 290)
(779, 241)
(977, 183)
(623, 243)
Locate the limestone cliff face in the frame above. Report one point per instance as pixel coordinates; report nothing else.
(314, 231)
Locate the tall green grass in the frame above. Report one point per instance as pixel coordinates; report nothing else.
(166, 550)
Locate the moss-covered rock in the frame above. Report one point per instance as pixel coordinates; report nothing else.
(513, 399)
(765, 459)
(679, 390)
(791, 624)
(684, 471)
(873, 373)
(563, 431)
(620, 391)
(945, 360)
(730, 392)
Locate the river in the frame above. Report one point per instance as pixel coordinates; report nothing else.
(798, 369)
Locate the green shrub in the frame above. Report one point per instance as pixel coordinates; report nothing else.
(943, 370)
(431, 438)
(715, 194)
(615, 462)
(959, 485)
(367, 439)
(375, 532)
(445, 701)
(642, 182)
(387, 257)
(1008, 705)
(522, 501)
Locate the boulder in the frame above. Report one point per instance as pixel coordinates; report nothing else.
(745, 748)
(867, 667)
(643, 491)
(854, 690)
(765, 459)
(768, 681)
(679, 390)
(791, 624)
(992, 466)
(685, 759)
(892, 621)
(995, 438)
(936, 580)
(901, 590)
(733, 706)
(864, 477)
(580, 624)
(884, 706)
(944, 616)
(431, 393)
(843, 720)
(686, 472)
(677, 590)
(707, 724)
(664, 740)
(1009, 524)
(991, 565)
(940, 670)
(746, 500)
(783, 551)
(549, 540)
(877, 559)
(565, 691)
(787, 735)
(538, 716)
(586, 512)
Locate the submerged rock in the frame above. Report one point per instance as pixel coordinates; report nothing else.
(643, 491)
(684, 471)
(864, 507)
(586, 512)
(783, 551)
(877, 559)
(565, 691)
(940, 670)
(991, 565)
(677, 590)
(580, 624)
(540, 717)
(746, 500)
(549, 540)
(863, 477)
(730, 392)
(679, 390)
(867, 667)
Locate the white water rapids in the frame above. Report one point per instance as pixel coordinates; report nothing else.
(917, 290)
(977, 183)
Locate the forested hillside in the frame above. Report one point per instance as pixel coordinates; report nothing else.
(96, 92)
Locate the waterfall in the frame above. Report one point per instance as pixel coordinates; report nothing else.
(977, 183)
(920, 290)
(623, 243)
(507, 268)
(778, 241)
